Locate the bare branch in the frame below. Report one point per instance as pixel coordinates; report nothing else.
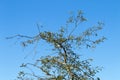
(18, 35)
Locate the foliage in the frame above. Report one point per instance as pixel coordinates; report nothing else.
(66, 64)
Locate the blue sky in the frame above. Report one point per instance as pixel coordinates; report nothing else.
(21, 16)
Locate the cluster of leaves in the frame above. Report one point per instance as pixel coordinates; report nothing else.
(66, 64)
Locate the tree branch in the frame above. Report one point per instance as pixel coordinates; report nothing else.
(18, 35)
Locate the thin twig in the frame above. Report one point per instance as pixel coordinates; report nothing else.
(18, 35)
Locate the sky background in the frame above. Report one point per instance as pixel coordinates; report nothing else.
(21, 16)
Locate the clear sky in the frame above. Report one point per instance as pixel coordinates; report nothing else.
(21, 16)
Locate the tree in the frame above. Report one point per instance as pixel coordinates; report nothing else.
(66, 64)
